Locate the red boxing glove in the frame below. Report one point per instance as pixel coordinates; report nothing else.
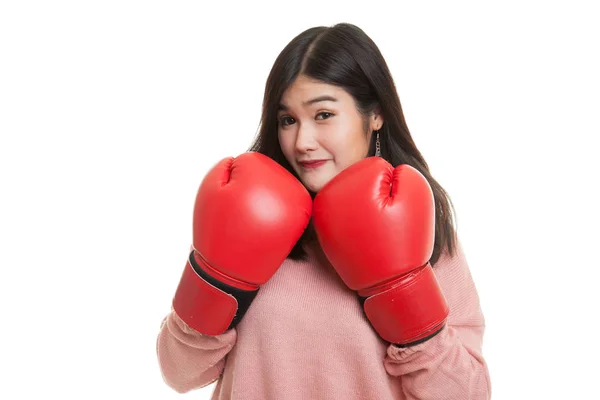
(249, 214)
(376, 225)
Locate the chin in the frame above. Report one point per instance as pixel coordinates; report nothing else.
(314, 181)
(315, 186)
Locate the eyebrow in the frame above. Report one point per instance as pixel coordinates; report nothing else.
(283, 107)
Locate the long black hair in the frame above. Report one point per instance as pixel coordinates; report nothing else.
(344, 56)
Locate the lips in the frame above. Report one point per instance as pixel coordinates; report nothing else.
(312, 163)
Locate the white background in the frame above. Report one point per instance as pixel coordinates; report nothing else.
(111, 113)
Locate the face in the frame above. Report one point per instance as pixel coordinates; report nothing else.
(321, 131)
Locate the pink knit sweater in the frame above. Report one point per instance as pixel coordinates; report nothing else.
(305, 337)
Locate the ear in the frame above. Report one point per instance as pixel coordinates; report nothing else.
(376, 119)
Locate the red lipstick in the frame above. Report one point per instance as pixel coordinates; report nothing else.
(312, 163)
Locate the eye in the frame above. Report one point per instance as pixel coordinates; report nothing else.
(328, 114)
(285, 121)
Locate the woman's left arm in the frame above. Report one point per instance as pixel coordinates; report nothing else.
(450, 365)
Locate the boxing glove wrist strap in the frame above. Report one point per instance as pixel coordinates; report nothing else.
(409, 310)
(207, 305)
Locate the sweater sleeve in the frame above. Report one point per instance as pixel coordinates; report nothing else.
(188, 359)
(451, 364)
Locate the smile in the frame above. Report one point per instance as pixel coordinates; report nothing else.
(312, 164)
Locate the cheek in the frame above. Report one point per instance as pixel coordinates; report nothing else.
(282, 142)
(349, 148)
(286, 143)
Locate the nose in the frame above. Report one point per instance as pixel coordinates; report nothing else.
(306, 140)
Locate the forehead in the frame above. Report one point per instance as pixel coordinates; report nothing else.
(304, 91)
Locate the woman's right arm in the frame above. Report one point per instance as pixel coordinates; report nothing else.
(188, 359)
(249, 213)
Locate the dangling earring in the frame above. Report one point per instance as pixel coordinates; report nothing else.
(377, 145)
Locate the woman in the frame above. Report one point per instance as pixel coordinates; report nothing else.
(365, 292)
